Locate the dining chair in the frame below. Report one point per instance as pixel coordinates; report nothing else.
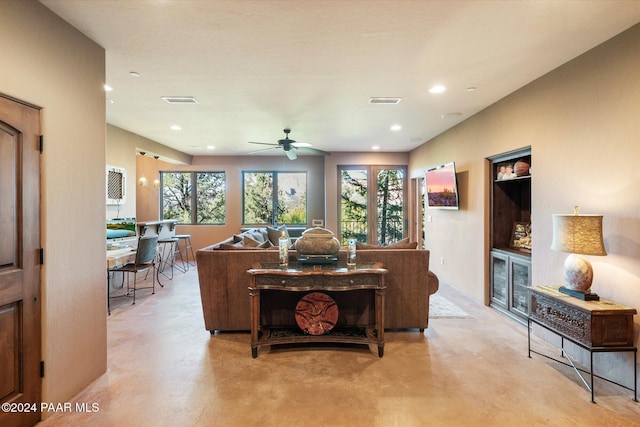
(145, 259)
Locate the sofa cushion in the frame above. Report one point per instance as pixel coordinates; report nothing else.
(402, 244)
(236, 245)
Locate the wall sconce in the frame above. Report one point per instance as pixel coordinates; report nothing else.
(578, 235)
(156, 182)
(142, 182)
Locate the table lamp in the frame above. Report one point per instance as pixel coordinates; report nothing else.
(579, 235)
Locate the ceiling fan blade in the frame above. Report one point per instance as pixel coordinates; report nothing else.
(291, 154)
(264, 149)
(263, 143)
(314, 151)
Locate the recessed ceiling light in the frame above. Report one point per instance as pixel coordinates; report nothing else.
(108, 88)
(395, 128)
(210, 147)
(471, 89)
(375, 147)
(384, 100)
(134, 74)
(176, 127)
(451, 115)
(437, 89)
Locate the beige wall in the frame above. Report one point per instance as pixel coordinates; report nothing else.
(581, 121)
(50, 64)
(123, 149)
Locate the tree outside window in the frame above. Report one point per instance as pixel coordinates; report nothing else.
(178, 197)
(372, 200)
(274, 198)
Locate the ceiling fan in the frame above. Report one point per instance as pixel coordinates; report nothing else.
(289, 146)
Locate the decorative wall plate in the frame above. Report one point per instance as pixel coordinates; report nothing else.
(316, 313)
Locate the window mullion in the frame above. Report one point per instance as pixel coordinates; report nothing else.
(194, 197)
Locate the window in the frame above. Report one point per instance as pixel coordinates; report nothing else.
(209, 198)
(274, 198)
(372, 200)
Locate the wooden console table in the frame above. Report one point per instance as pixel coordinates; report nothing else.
(596, 326)
(269, 280)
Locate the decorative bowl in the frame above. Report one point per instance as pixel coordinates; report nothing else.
(317, 241)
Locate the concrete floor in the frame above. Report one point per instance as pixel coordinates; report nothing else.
(165, 369)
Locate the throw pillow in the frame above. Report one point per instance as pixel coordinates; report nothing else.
(265, 245)
(275, 233)
(250, 242)
(256, 234)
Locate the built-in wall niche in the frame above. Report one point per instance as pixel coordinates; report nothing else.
(511, 239)
(116, 185)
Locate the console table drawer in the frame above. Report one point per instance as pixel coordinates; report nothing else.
(283, 281)
(362, 281)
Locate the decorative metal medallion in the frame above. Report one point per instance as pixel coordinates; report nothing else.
(316, 313)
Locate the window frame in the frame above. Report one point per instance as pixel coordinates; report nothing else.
(372, 214)
(274, 197)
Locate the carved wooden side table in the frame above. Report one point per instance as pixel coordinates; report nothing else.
(596, 326)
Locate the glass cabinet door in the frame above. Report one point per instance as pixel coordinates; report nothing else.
(499, 278)
(520, 271)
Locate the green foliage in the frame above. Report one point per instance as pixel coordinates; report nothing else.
(389, 209)
(211, 198)
(353, 204)
(260, 201)
(258, 198)
(177, 197)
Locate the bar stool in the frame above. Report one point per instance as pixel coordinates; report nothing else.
(186, 239)
(168, 255)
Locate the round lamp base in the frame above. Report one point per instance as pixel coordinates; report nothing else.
(578, 273)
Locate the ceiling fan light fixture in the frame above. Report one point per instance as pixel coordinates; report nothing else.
(291, 154)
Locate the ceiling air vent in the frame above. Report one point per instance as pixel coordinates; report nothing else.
(384, 100)
(180, 99)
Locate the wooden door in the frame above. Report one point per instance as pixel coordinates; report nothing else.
(20, 382)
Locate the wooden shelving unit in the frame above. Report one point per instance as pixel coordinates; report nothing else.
(510, 257)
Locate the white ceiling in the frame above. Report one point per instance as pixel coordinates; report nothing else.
(257, 67)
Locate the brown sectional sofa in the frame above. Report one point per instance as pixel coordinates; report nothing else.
(224, 282)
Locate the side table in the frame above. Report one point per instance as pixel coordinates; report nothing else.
(596, 326)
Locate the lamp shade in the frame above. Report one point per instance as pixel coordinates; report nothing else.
(578, 234)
